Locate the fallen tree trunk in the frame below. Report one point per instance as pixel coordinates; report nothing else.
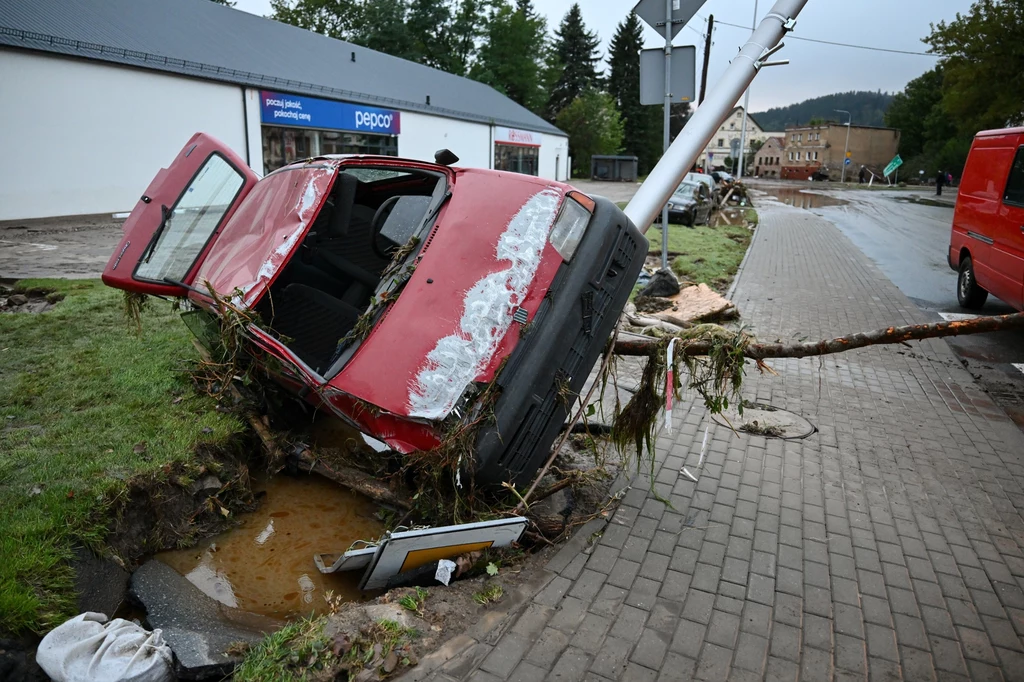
(353, 479)
(763, 351)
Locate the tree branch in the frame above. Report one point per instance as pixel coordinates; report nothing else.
(762, 351)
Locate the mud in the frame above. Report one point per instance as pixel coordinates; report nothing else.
(265, 564)
(73, 247)
(38, 300)
(793, 196)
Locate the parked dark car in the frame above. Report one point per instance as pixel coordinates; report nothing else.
(396, 294)
(690, 205)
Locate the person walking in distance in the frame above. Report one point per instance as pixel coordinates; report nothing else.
(940, 180)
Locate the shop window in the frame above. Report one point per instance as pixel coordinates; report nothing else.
(516, 158)
(282, 146)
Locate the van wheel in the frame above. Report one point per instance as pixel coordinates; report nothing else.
(968, 293)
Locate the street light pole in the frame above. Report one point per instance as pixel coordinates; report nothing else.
(746, 105)
(846, 151)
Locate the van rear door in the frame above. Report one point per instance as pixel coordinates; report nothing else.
(174, 224)
(1008, 250)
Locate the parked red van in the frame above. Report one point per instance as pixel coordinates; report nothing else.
(986, 246)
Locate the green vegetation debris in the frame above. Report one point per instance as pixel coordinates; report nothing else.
(489, 594)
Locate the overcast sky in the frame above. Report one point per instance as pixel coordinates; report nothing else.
(814, 69)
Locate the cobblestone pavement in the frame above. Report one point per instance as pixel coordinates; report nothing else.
(889, 545)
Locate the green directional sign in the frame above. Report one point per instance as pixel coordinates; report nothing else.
(893, 165)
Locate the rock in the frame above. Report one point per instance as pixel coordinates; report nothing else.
(18, 661)
(198, 629)
(663, 283)
(101, 584)
(17, 299)
(207, 482)
(697, 304)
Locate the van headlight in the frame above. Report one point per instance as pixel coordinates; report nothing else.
(571, 225)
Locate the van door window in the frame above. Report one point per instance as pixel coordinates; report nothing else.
(1014, 193)
(185, 228)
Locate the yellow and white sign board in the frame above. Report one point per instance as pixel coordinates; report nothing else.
(408, 550)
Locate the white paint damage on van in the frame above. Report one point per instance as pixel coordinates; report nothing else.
(488, 307)
(306, 211)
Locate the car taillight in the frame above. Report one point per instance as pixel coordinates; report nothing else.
(571, 224)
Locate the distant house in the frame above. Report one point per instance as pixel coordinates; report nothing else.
(819, 149)
(768, 159)
(731, 129)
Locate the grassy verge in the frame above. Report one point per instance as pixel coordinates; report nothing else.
(86, 404)
(705, 254)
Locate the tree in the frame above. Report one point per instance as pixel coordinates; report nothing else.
(510, 60)
(333, 18)
(983, 65)
(594, 127)
(428, 22)
(382, 25)
(641, 124)
(228, 3)
(575, 60)
(910, 108)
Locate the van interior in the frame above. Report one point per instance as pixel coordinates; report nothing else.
(368, 215)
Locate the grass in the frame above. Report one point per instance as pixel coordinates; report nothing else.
(86, 404)
(706, 254)
(288, 654)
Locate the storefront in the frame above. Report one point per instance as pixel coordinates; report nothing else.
(296, 127)
(517, 150)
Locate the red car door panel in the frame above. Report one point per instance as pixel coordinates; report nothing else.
(178, 218)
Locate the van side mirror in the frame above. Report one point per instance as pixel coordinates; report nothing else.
(445, 157)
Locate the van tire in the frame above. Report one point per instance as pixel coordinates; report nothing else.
(968, 293)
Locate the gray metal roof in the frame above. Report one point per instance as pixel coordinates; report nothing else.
(203, 39)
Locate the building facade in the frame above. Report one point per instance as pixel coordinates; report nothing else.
(729, 134)
(768, 159)
(817, 151)
(111, 108)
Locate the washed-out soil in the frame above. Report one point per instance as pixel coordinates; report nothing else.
(31, 300)
(174, 508)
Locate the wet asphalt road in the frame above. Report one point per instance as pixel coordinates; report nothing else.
(908, 242)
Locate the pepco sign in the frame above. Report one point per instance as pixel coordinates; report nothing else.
(310, 112)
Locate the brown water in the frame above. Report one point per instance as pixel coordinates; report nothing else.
(792, 196)
(265, 565)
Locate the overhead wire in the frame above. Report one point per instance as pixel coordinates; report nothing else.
(838, 44)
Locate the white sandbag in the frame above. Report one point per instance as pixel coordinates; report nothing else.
(89, 649)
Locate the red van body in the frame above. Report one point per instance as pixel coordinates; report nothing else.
(986, 246)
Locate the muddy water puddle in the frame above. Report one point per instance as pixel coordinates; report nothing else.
(791, 196)
(265, 565)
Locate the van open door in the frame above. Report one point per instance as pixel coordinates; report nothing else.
(178, 219)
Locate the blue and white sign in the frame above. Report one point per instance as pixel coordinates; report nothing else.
(310, 112)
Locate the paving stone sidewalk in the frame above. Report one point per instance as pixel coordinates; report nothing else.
(889, 545)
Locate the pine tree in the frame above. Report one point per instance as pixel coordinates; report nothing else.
(510, 58)
(641, 124)
(575, 54)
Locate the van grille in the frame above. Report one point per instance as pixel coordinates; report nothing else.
(539, 417)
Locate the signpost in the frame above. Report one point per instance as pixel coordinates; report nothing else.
(893, 165)
(670, 16)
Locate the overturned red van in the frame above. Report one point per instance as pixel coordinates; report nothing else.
(986, 246)
(393, 292)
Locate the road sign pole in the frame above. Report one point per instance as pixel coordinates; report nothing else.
(705, 122)
(666, 135)
(746, 104)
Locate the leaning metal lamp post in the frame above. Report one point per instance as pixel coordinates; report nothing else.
(846, 151)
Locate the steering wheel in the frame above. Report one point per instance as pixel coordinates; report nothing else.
(378, 222)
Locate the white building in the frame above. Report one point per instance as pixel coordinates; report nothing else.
(731, 129)
(98, 95)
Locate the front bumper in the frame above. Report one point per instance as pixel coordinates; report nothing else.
(564, 341)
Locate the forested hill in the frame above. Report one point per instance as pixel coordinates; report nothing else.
(868, 108)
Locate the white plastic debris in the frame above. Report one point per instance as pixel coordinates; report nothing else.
(669, 385)
(87, 648)
(444, 571)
